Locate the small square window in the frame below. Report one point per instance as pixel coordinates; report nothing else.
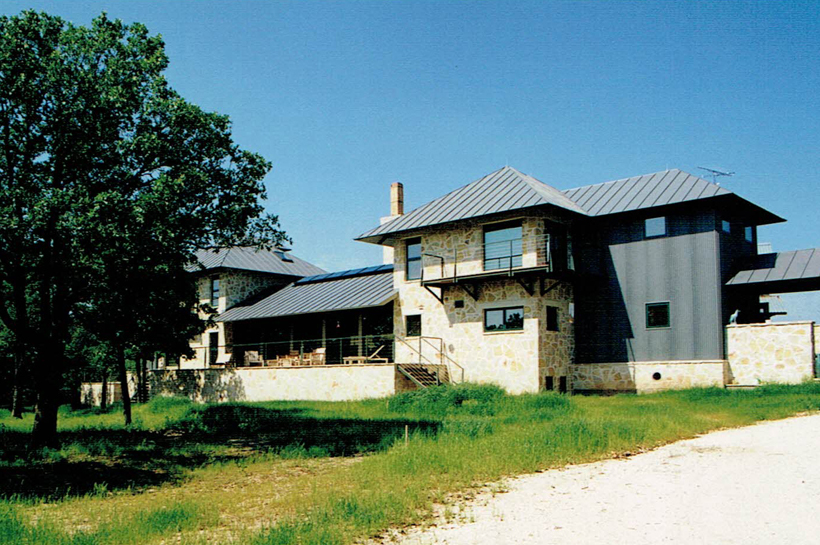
(749, 234)
(552, 318)
(504, 319)
(413, 325)
(725, 226)
(655, 227)
(657, 315)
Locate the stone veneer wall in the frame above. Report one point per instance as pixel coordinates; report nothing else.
(320, 383)
(637, 377)
(516, 360)
(772, 352)
(91, 392)
(234, 286)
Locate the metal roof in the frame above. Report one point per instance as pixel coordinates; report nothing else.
(784, 270)
(504, 190)
(651, 190)
(250, 259)
(345, 292)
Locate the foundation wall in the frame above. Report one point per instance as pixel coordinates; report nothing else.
(780, 352)
(646, 377)
(320, 383)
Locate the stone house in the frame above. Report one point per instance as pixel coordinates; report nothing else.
(639, 284)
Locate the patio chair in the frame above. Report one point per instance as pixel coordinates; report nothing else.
(317, 357)
(252, 358)
(372, 358)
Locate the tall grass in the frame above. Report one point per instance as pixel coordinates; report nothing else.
(459, 437)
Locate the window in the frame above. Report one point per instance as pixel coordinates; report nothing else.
(283, 256)
(552, 318)
(413, 270)
(213, 348)
(413, 325)
(725, 226)
(657, 315)
(749, 234)
(215, 292)
(655, 227)
(504, 319)
(502, 246)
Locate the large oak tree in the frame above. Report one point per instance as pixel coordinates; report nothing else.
(109, 182)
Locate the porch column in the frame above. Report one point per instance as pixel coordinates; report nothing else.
(361, 334)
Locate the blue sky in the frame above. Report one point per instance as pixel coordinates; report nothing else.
(346, 97)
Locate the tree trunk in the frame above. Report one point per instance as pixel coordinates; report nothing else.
(16, 395)
(44, 433)
(104, 393)
(126, 396)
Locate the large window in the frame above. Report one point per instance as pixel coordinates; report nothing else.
(502, 246)
(413, 270)
(655, 227)
(504, 319)
(413, 325)
(215, 292)
(657, 315)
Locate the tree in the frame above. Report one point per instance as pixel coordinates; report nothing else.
(98, 155)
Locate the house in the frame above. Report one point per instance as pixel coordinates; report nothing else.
(628, 285)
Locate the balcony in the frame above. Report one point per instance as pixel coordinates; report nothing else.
(530, 261)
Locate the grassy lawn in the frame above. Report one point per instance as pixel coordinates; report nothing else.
(326, 473)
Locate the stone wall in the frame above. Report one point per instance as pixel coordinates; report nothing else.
(781, 352)
(91, 392)
(320, 383)
(518, 361)
(646, 377)
(234, 287)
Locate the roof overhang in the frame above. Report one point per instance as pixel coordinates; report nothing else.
(783, 272)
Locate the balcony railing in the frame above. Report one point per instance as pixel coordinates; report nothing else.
(545, 252)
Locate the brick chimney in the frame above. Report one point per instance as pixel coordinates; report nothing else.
(396, 210)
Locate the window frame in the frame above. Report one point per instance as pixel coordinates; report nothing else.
(407, 259)
(646, 221)
(512, 257)
(407, 318)
(504, 329)
(668, 306)
(555, 321)
(216, 287)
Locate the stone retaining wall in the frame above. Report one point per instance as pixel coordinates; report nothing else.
(780, 352)
(320, 383)
(645, 377)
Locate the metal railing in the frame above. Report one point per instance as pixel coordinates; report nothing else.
(297, 352)
(444, 361)
(499, 256)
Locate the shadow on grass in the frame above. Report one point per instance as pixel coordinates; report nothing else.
(100, 460)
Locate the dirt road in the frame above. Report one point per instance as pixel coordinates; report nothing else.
(759, 484)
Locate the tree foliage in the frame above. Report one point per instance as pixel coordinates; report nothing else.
(109, 182)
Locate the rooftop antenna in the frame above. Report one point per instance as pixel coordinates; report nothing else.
(715, 174)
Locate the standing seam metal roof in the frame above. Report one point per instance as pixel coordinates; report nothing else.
(500, 191)
(342, 293)
(251, 259)
(793, 265)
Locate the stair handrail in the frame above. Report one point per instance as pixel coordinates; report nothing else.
(444, 359)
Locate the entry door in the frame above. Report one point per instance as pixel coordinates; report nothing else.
(213, 348)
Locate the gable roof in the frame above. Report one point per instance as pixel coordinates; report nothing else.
(500, 191)
(251, 259)
(657, 189)
(344, 290)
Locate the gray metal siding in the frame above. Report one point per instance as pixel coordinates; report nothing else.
(681, 268)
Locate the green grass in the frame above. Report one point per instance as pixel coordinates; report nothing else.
(315, 472)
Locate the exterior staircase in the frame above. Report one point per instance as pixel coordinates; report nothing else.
(422, 375)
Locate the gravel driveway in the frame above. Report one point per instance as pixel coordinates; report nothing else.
(759, 484)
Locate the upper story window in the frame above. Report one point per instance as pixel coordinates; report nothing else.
(502, 246)
(413, 266)
(725, 226)
(749, 233)
(504, 319)
(552, 318)
(655, 227)
(215, 292)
